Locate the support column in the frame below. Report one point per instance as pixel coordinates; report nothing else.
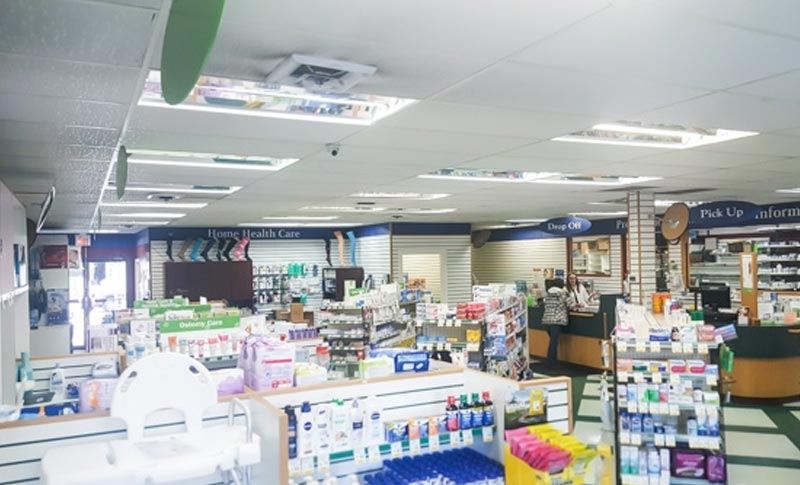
(641, 247)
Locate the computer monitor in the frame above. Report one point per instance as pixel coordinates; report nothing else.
(715, 296)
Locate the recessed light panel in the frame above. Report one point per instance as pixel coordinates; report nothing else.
(628, 133)
(516, 176)
(398, 195)
(300, 218)
(360, 209)
(155, 205)
(248, 98)
(207, 160)
(179, 189)
(299, 224)
(145, 215)
(422, 212)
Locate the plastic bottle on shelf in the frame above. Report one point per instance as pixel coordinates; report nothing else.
(477, 411)
(488, 410)
(374, 427)
(57, 384)
(453, 415)
(305, 430)
(357, 423)
(292, 431)
(322, 426)
(340, 426)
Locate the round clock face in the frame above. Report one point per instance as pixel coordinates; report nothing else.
(675, 221)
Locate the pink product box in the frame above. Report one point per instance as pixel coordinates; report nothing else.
(677, 366)
(229, 381)
(696, 366)
(96, 394)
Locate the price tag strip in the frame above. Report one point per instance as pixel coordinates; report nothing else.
(323, 462)
(374, 454)
(414, 447)
(434, 442)
(397, 449)
(466, 436)
(455, 438)
(487, 434)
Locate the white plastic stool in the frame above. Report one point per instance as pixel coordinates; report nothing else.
(160, 381)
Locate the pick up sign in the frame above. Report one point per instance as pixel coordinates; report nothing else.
(722, 213)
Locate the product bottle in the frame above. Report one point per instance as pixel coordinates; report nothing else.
(465, 413)
(57, 382)
(488, 410)
(340, 426)
(322, 424)
(24, 369)
(292, 418)
(477, 411)
(305, 430)
(374, 432)
(357, 420)
(452, 413)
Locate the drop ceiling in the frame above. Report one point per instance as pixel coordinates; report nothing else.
(495, 82)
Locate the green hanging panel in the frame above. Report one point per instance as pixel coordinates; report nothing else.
(122, 171)
(191, 30)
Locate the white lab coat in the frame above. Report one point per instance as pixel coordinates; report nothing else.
(581, 296)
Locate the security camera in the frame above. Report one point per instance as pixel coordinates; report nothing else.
(333, 149)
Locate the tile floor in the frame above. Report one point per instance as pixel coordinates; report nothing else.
(763, 441)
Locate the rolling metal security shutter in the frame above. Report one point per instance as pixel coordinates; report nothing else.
(508, 261)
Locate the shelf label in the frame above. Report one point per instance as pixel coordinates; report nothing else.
(324, 462)
(307, 465)
(713, 443)
(638, 377)
(656, 377)
(487, 434)
(622, 346)
(458, 322)
(622, 376)
(695, 442)
(294, 467)
(374, 454)
(636, 439)
(434, 443)
(624, 437)
(440, 323)
(641, 346)
(466, 436)
(455, 438)
(447, 346)
(659, 440)
(687, 348)
(674, 410)
(644, 407)
(655, 346)
(702, 348)
(448, 323)
(670, 440)
(711, 379)
(675, 379)
(414, 447)
(676, 348)
(397, 449)
(663, 408)
(360, 455)
(633, 407)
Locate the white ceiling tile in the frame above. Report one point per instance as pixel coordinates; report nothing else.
(78, 31)
(729, 111)
(31, 108)
(568, 151)
(703, 157)
(430, 115)
(782, 86)
(788, 165)
(530, 87)
(636, 168)
(442, 141)
(768, 146)
(665, 45)
(534, 164)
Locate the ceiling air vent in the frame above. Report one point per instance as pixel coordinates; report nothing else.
(318, 74)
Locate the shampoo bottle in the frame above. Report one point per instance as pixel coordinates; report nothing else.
(57, 382)
(357, 420)
(322, 421)
(374, 432)
(340, 426)
(305, 431)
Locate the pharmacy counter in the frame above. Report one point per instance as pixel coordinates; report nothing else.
(766, 362)
(581, 340)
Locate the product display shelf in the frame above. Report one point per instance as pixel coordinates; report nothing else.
(678, 411)
(506, 344)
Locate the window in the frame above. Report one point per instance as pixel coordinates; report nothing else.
(591, 256)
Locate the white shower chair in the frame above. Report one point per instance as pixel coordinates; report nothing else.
(161, 381)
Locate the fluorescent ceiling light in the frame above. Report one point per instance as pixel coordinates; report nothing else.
(652, 136)
(299, 224)
(207, 160)
(423, 211)
(180, 189)
(525, 221)
(300, 218)
(658, 202)
(78, 231)
(343, 208)
(600, 214)
(156, 205)
(516, 176)
(248, 98)
(795, 190)
(136, 223)
(146, 215)
(398, 195)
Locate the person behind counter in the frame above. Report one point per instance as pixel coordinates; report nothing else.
(577, 292)
(557, 303)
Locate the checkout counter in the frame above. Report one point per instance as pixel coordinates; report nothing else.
(581, 341)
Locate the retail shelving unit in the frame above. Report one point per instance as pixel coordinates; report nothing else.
(672, 412)
(779, 266)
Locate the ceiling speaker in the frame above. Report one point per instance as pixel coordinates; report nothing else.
(675, 222)
(479, 238)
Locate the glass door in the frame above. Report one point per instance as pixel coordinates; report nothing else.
(107, 290)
